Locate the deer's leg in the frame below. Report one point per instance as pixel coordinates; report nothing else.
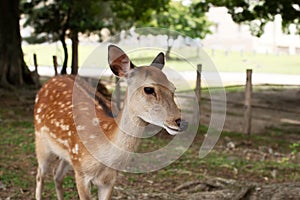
(83, 186)
(105, 184)
(39, 182)
(105, 192)
(43, 158)
(61, 171)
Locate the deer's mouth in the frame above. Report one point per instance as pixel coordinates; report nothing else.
(172, 130)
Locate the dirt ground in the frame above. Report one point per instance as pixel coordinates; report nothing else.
(273, 107)
(261, 166)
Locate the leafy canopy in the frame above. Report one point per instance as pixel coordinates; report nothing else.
(179, 19)
(50, 19)
(257, 13)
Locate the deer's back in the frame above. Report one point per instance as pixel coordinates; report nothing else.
(66, 125)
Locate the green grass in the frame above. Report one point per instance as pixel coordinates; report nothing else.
(184, 59)
(18, 170)
(45, 52)
(18, 163)
(16, 145)
(260, 63)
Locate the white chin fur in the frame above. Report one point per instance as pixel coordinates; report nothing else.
(170, 131)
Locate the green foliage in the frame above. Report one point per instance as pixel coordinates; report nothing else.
(51, 20)
(127, 14)
(295, 147)
(55, 20)
(180, 18)
(258, 13)
(177, 20)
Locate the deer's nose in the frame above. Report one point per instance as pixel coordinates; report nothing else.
(182, 124)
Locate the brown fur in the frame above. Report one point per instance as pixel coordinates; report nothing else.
(71, 124)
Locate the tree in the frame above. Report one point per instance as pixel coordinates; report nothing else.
(258, 13)
(178, 20)
(13, 70)
(55, 20)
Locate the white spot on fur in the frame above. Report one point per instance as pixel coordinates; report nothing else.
(92, 136)
(38, 110)
(69, 133)
(36, 98)
(75, 149)
(65, 127)
(105, 125)
(57, 124)
(38, 119)
(95, 121)
(46, 93)
(80, 128)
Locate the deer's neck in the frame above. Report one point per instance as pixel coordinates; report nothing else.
(125, 140)
(130, 128)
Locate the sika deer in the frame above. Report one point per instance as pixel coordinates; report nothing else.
(66, 128)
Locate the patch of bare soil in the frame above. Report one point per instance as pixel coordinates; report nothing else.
(272, 108)
(218, 189)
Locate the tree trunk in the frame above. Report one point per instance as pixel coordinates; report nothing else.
(168, 52)
(13, 70)
(75, 41)
(169, 47)
(63, 42)
(64, 45)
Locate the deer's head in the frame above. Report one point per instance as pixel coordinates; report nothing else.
(150, 95)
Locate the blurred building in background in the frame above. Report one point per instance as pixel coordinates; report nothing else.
(227, 35)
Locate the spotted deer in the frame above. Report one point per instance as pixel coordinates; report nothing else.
(78, 128)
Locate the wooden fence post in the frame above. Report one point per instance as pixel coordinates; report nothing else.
(198, 85)
(118, 93)
(35, 63)
(248, 96)
(55, 65)
(198, 82)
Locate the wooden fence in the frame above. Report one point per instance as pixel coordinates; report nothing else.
(198, 88)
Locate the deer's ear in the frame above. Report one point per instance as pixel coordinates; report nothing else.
(119, 62)
(159, 61)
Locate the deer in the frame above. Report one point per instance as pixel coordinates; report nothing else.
(66, 129)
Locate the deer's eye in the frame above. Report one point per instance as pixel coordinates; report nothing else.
(149, 90)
